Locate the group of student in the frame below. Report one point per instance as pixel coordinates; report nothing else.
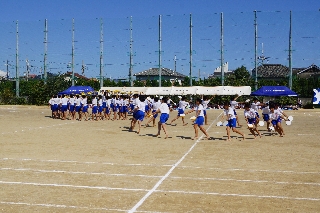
(142, 107)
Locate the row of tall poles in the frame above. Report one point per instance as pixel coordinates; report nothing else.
(160, 51)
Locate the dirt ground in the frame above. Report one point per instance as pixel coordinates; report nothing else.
(50, 165)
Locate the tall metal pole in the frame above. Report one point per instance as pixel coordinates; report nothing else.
(131, 59)
(222, 60)
(45, 50)
(175, 63)
(101, 53)
(290, 51)
(27, 71)
(255, 49)
(7, 64)
(160, 51)
(17, 62)
(72, 53)
(190, 72)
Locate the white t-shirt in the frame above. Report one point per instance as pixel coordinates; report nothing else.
(254, 106)
(94, 102)
(78, 101)
(182, 105)
(100, 102)
(266, 110)
(141, 106)
(249, 114)
(205, 104)
(109, 101)
(56, 100)
(84, 101)
(275, 115)
(233, 104)
(164, 108)
(156, 105)
(230, 113)
(51, 101)
(200, 108)
(71, 101)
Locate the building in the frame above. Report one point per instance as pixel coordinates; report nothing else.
(68, 76)
(279, 71)
(153, 74)
(217, 71)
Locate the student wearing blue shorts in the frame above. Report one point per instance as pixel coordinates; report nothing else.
(164, 110)
(64, 106)
(100, 107)
(84, 106)
(250, 116)
(232, 121)
(94, 108)
(198, 123)
(181, 108)
(155, 106)
(78, 106)
(139, 113)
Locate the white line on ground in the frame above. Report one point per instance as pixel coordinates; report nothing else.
(164, 165)
(155, 176)
(70, 186)
(66, 206)
(34, 128)
(163, 191)
(134, 209)
(241, 195)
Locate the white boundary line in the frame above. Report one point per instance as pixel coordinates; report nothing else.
(241, 195)
(66, 206)
(156, 176)
(134, 209)
(163, 165)
(70, 186)
(164, 191)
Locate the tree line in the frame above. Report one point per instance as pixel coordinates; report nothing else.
(37, 92)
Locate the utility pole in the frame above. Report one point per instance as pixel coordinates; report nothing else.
(7, 65)
(27, 71)
(175, 63)
(290, 51)
(101, 53)
(45, 50)
(131, 56)
(82, 68)
(190, 72)
(72, 53)
(222, 70)
(255, 50)
(160, 51)
(17, 61)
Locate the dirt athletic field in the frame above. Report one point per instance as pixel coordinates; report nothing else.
(49, 165)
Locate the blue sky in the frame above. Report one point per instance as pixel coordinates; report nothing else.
(273, 27)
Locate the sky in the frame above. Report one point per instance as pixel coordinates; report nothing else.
(273, 28)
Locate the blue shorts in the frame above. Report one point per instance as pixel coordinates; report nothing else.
(131, 106)
(139, 115)
(266, 117)
(155, 115)
(234, 112)
(52, 107)
(204, 112)
(199, 121)
(104, 104)
(115, 108)
(64, 108)
(274, 122)
(257, 114)
(107, 110)
(94, 110)
(251, 120)
(146, 108)
(55, 107)
(100, 108)
(232, 122)
(164, 118)
(169, 105)
(78, 108)
(71, 109)
(85, 109)
(180, 111)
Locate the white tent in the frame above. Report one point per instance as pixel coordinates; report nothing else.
(196, 90)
